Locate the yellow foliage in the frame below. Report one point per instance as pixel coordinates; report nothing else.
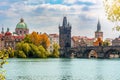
(112, 9)
(45, 42)
(40, 39)
(35, 38)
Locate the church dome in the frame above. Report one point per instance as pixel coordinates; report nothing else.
(8, 33)
(21, 24)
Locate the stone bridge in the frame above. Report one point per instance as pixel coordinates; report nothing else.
(96, 51)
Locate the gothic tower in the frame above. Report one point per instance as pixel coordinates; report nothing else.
(64, 36)
(99, 33)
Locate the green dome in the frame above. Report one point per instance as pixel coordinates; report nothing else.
(21, 24)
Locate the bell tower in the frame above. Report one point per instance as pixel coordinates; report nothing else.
(99, 33)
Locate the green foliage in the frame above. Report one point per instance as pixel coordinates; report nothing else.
(26, 48)
(27, 39)
(35, 46)
(30, 50)
(55, 50)
(21, 54)
(33, 51)
(106, 43)
(43, 52)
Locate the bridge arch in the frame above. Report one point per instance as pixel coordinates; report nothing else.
(112, 53)
(90, 53)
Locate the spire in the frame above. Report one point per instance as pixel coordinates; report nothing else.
(65, 21)
(2, 30)
(7, 29)
(98, 26)
(21, 20)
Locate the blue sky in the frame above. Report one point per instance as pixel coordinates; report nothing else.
(46, 15)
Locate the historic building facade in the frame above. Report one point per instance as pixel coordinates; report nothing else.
(54, 38)
(77, 41)
(65, 36)
(7, 39)
(116, 42)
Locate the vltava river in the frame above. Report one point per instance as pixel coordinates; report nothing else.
(63, 69)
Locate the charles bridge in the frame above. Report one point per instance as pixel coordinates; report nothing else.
(94, 51)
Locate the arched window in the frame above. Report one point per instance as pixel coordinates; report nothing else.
(20, 32)
(24, 32)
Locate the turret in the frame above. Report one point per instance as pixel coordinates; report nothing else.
(2, 30)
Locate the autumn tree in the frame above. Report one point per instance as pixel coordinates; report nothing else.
(35, 38)
(39, 39)
(34, 45)
(45, 42)
(112, 9)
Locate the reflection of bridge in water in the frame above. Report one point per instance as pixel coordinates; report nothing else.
(96, 51)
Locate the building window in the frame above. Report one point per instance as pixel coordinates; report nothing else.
(20, 32)
(24, 32)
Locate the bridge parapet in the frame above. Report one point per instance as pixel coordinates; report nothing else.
(100, 50)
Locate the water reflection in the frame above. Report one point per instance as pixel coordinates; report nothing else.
(65, 69)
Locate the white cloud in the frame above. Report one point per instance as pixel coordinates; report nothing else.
(45, 17)
(3, 3)
(69, 1)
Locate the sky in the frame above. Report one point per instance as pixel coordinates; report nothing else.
(47, 15)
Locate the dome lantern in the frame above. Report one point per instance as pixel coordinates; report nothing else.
(21, 20)
(21, 24)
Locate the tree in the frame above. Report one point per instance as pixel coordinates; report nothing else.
(33, 50)
(19, 45)
(45, 42)
(27, 39)
(26, 48)
(10, 51)
(34, 45)
(3, 60)
(112, 9)
(55, 50)
(44, 53)
(21, 54)
(106, 43)
(35, 38)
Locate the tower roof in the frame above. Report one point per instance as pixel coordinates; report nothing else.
(21, 24)
(98, 26)
(65, 21)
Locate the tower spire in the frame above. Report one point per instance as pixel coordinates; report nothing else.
(65, 21)
(2, 30)
(98, 26)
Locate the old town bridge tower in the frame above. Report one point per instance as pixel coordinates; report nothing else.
(65, 38)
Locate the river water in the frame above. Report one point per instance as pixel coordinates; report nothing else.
(63, 69)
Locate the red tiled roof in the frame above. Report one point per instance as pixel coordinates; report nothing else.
(54, 35)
